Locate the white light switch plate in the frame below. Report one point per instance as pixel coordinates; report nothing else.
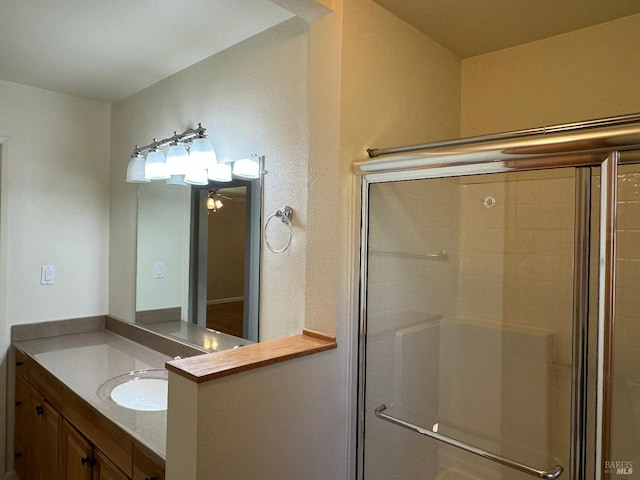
(47, 275)
(159, 270)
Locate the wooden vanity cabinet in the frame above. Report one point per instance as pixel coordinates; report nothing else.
(104, 469)
(37, 440)
(83, 461)
(77, 454)
(145, 468)
(59, 437)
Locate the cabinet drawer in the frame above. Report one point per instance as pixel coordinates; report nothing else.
(47, 385)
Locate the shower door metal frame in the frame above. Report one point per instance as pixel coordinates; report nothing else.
(508, 155)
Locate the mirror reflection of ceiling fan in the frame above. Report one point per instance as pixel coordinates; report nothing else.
(214, 200)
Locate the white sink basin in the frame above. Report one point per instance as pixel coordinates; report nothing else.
(144, 390)
(148, 394)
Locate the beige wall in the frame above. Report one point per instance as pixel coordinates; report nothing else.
(55, 210)
(294, 417)
(252, 99)
(297, 416)
(590, 73)
(393, 81)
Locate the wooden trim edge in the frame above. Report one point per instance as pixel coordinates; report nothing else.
(207, 367)
(320, 335)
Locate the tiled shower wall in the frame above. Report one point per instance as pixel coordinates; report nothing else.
(626, 396)
(516, 258)
(408, 220)
(414, 219)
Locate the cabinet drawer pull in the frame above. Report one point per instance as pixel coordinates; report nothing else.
(17, 455)
(39, 410)
(88, 460)
(19, 364)
(18, 403)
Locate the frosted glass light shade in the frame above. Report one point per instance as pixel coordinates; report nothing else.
(177, 180)
(247, 168)
(135, 170)
(156, 166)
(202, 153)
(178, 159)
(220, 172)
(196, 177)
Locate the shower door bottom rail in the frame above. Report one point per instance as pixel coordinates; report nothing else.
(557, 471)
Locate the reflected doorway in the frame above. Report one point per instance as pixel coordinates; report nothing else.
(226, 215)
(225, 257)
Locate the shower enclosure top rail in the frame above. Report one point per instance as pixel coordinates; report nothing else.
(557, 471)
(589, 141)
(546, 130)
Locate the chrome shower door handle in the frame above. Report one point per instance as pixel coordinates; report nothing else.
(552, 475)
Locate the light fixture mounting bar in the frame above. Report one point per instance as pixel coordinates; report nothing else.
(176, 137)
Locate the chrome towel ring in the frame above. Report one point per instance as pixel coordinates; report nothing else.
(285, 214)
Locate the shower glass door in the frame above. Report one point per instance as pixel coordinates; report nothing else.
(623, 460)
(469, 327)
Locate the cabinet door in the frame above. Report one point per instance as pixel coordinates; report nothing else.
(104, 469)
(77, 454)
(37, 437)
(22, 460)
(47, 436)
(145, 468)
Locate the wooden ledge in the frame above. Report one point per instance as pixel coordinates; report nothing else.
(203, 368)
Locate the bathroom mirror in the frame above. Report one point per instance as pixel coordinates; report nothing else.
(198, 255)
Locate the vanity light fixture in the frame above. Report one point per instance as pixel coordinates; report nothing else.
(177, 158)
(156, 165)
(196, 176)
(220, 172)
(176, 180)
(247, 167)
(202, 153)
(190, 159)
(135, 169)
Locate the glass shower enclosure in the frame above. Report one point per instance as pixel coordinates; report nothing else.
(499, 333)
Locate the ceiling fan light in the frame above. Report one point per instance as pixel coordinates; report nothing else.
(213, 203)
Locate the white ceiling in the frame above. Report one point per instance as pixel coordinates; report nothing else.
(474, 27)
(110, 49)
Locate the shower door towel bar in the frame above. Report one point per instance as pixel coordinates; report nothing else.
(442, 254)
(469, 448)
